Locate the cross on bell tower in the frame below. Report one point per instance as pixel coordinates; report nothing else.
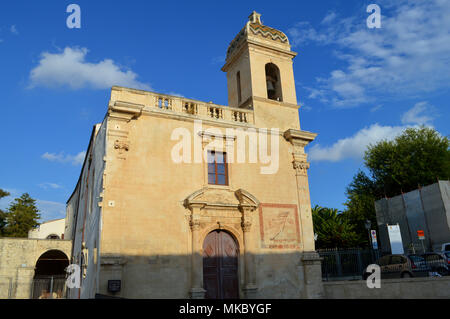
(255, 17)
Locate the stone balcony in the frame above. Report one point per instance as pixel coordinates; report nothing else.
(141, 101)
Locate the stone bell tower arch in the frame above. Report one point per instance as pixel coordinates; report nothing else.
(260, 76)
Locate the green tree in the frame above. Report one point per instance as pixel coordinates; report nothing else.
(360, 206)
(419, 156)
(2, 213)
(333, 229)
(21, 217)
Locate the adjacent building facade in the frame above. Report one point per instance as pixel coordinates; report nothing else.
(179, 198)
(52, 229)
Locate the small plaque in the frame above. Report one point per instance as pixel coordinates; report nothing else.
(114, 285)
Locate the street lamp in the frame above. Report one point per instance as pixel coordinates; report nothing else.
(367, 224)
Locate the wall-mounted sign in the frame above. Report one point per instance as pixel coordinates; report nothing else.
(114, 285)
(395, 238)
(421, 234)
(373, 234)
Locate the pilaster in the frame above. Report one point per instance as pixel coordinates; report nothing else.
(299, 139)
(250, 288)
(197, 291)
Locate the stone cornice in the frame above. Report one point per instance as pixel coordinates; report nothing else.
(249, 43)
(299, 137)
(207, 198)
(283, 52)
(125, 110)
(265, 100)
(212, 135)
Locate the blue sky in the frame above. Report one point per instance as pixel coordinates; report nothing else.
(356, 85)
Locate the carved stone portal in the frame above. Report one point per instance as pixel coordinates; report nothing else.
(213, 208)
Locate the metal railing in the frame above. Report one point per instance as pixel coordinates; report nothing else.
(6, 287)
(349, 264)
(346, 264)
(53, 287)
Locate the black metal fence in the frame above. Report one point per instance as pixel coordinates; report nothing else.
(53, 287)
(346, 264)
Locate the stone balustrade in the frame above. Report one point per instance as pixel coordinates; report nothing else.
(191, 107)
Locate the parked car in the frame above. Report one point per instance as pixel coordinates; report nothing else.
(401, 266)
(438, 262)
(447, 255)
(445, 247)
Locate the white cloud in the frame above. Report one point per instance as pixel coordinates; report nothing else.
(376, 108)
(303, 33)
(416, 114)
(70, 68)
(409, 55)
(329, 18)
(354, 146)
(50, 185)
(14, 30)
(65, 158)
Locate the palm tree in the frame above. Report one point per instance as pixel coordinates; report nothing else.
(333, 229)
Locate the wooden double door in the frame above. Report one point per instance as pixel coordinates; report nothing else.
(220, 266)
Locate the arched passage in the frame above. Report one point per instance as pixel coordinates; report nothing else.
(51, 263)
(220, 266)
(50, 274)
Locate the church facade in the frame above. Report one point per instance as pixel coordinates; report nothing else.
(179, 198)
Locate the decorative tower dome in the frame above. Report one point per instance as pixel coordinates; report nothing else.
(254, 30)
(260, 75)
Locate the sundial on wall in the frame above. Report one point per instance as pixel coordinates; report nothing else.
(279, 226)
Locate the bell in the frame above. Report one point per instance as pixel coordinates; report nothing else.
(270, 86)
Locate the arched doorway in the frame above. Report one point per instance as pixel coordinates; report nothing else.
(220, 266)
(49, 275)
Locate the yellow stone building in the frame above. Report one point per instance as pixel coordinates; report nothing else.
(180, 198)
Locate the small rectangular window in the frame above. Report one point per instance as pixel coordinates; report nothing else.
(217, 168)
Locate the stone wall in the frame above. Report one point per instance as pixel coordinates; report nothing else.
(403, 288)
(18, 261)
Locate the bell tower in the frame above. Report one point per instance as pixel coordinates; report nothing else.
(260, 75)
